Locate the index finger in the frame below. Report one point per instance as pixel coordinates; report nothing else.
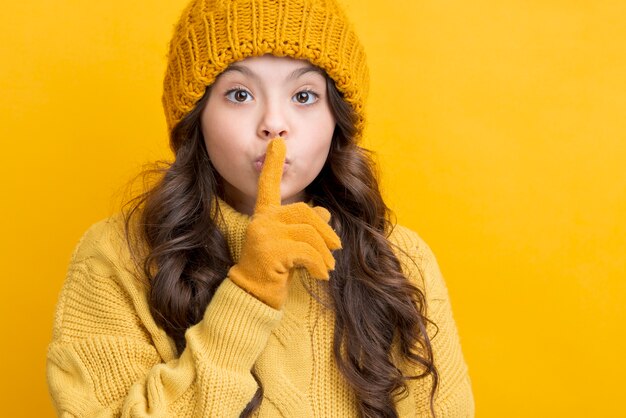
(271, 174)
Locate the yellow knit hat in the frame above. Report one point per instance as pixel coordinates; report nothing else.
(212, 34)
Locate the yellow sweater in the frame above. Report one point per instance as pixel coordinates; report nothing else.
(108, 357)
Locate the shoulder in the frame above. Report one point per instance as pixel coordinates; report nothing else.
(103, 247)
(406, 238)
(102, 251)
(102, 258)
(418, 261)
(100, 262)
(101, 285)
(100, 239)
(454, 394)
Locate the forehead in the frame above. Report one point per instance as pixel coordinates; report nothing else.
(270, 65)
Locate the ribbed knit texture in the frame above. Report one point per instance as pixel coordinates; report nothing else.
(108, 358)
(212, 34)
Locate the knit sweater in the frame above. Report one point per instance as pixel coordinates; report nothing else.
(109, 358)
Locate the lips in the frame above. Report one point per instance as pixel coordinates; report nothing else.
(258, 163)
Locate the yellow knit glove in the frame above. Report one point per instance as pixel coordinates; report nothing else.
(280, 238)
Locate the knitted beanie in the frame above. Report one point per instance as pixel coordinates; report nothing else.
(212, 34)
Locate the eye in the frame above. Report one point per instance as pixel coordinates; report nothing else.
(238, 95)
(305, 97)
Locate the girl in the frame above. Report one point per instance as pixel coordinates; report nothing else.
(260, 276)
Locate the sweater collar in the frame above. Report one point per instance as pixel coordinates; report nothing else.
(233, 226)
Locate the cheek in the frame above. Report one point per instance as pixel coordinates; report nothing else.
(318, 144)
(216, 124)
(328, 123)
(322, 123)
(219, 131)
(327, 129)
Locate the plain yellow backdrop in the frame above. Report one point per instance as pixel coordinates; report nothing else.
(501, 139)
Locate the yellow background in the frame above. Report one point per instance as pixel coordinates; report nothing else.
(500, 140)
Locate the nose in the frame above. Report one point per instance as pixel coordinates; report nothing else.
(273, 121)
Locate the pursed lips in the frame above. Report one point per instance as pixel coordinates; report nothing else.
(258, 163)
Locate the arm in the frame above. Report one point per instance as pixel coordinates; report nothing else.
(454, 396)
(103, 361)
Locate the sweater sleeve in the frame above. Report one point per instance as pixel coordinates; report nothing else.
(454, 397)
(103, 360)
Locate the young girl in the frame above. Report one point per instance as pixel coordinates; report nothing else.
(261, 275)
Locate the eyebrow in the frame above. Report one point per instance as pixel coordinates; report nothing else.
(302, 71)
(240, 69)
(299, 72)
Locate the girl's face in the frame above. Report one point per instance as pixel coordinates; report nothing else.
(258, 99)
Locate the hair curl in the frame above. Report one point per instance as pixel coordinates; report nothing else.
(187, 258)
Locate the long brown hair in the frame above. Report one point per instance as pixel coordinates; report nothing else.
(187, 258)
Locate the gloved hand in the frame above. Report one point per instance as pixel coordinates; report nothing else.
(280, 238)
